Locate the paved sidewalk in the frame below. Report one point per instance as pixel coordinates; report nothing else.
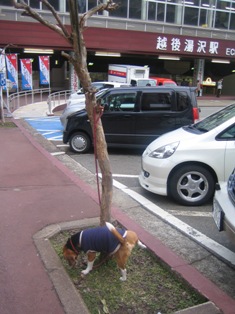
(39, 109)
(39, 195)
(36, 191)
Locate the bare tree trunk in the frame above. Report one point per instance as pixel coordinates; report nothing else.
(94, 112)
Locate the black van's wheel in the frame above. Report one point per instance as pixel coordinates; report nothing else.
(191, 185)
(80, 143)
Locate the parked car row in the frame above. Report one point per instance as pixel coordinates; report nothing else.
(98, 85)
(186, 163)
(134, 117)
(79, 97)
(163, 81)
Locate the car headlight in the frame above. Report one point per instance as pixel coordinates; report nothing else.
(164, 151)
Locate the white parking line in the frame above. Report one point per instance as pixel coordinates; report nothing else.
(49, 131)
(196, 235)
(43, 118)
(57, 153)
(55, 138)
(62, 145)
(189, 213)
(125, 176)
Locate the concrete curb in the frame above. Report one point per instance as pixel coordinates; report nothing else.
(67, 293)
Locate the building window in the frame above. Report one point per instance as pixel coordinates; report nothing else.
(171, 13)
(221, 19)
(191, 15)
(82, 6)
(161, 12)
(232, 19)
(92, 4)
(135, 9)
(122, 10)
(152, 11)
(34, 4)
(222, 14)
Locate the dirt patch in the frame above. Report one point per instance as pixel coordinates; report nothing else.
(151, 287)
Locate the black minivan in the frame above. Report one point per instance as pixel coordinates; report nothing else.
(134, 116)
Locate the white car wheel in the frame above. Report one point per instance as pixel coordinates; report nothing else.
(80, 143)
(191, 185)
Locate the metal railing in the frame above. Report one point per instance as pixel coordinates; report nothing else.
(57, 99)
(23, 98)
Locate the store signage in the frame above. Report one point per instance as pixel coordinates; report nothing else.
(208, 82)
(195, 46)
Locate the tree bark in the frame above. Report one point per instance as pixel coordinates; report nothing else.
(100, 149)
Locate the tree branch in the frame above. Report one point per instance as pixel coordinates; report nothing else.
(56, 16)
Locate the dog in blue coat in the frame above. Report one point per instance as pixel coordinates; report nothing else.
(108, 239)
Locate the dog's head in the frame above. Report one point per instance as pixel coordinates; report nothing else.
(70, 252)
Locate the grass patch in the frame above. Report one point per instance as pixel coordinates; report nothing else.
(7, 124)
(150, 287)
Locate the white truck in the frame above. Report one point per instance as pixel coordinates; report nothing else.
(130, 74)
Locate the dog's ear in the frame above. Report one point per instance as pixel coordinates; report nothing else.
(70, 256)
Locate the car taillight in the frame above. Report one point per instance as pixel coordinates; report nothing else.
(195, 114)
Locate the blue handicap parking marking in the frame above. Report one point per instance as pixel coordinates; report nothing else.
(50, 127)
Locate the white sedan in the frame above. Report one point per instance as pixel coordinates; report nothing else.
(185, 164)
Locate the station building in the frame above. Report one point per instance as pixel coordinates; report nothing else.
(180, 39)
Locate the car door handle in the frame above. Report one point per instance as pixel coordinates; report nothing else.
(127, 116)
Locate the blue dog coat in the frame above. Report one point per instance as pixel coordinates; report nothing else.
(100, 239)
